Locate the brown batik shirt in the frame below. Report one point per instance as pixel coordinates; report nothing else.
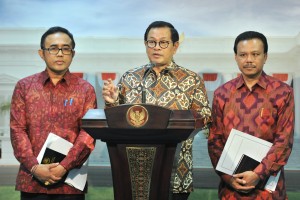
(175, 88)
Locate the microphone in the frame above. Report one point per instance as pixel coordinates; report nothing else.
(147, 72)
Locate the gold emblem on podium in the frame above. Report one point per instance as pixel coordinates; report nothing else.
(137, 116)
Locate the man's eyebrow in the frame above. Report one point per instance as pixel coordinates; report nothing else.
(55, 45)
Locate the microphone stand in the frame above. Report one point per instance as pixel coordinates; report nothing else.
(147, 72)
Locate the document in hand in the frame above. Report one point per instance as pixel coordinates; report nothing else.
(55, 149)
(239, 144)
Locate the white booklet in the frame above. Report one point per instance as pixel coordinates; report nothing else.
(239, 143)
(76, 177)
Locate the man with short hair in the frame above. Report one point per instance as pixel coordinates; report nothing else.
(164, 83)
(52, 101)
(259, 105)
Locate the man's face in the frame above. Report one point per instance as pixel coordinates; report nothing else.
(162, 57)
(251, 58)
(59, 63)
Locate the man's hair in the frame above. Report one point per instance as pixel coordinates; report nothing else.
(248, 35)
(161, 24)
(57, 29)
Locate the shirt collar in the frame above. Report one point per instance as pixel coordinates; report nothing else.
(262, 81)
(171, 66)
(166, 70)
(66, 78)
(169, 69)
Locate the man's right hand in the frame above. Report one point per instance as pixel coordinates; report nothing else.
(243, 182)
(110, 92)
(43, 173)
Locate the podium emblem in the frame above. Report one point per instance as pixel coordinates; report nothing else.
(137, 116)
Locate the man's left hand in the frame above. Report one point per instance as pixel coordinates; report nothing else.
(58, 171)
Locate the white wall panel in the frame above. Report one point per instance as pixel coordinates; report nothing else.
(19, 58)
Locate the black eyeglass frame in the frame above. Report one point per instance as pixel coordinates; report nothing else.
(59, 49)
(159, 43)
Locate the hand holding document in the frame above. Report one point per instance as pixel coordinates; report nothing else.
(239, 144)
(55, 149)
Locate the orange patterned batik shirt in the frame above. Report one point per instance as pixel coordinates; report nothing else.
(267, 112)
(39, 107)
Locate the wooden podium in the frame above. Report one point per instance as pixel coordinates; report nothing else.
(141, 141)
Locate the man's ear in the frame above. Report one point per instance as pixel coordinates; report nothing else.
(73, 54)
(176, 45)
(41, 53)
(265, 57)
(235, 58)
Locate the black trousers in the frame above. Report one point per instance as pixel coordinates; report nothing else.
(180, 196)
(36, 196)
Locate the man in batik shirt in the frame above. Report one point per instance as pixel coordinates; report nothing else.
(165, 84)
(259, 105)
(52, 101)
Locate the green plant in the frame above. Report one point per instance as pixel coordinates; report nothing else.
(4, 107)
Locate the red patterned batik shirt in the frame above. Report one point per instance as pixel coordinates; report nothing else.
(267, 112)
(175, 88)
(38, 108)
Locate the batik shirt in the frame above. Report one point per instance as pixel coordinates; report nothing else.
(266, 112)
(175, 88)
(38, 108)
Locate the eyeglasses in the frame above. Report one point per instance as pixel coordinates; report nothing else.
(163, 44)
(55, 50)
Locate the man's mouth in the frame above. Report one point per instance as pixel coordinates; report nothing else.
(156, 55)
(249, 66)
(59, 62)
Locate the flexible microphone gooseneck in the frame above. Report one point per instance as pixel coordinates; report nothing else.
(147, 71)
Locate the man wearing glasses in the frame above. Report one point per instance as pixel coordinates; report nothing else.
(52, 101)
(164, 83)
